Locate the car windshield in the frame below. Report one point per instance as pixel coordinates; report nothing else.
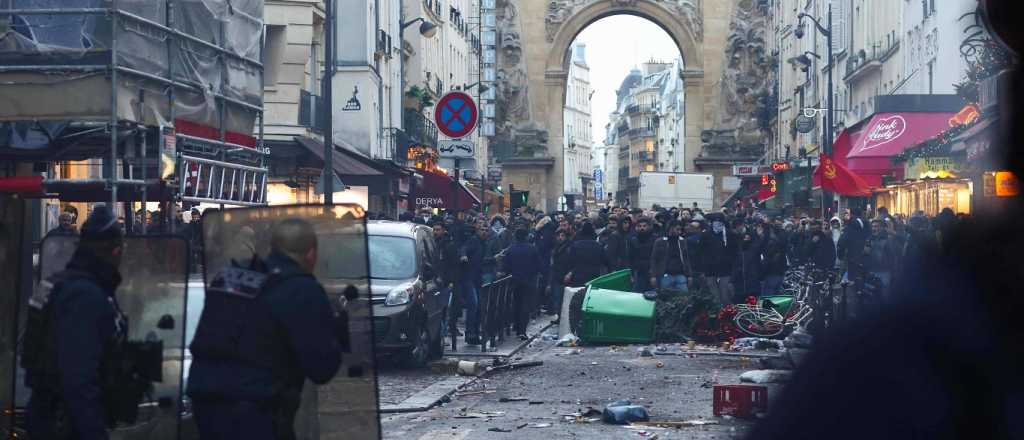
(391, 258)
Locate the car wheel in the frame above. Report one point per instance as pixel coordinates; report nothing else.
(419, 354)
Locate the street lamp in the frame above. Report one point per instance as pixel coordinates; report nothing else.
(427, 29)
(827, 32)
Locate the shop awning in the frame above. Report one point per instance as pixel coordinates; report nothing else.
(888, 134)
(24, 185)
(843, 144)
(345, 164)
(442, 192)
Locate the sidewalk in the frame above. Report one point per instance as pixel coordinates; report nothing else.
(441, 387)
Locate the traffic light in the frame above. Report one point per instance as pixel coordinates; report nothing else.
(519, 198)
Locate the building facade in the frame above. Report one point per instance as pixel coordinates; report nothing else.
(578, 130)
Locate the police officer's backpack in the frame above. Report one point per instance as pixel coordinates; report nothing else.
(128, 369)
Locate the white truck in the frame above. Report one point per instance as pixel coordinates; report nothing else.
(668, 189)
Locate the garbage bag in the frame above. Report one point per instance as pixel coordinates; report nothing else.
(624, 412)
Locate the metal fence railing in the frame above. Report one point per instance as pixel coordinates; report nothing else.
(497, 314)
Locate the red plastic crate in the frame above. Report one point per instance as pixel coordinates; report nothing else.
(740, 400)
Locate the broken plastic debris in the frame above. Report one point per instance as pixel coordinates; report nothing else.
(766, 376)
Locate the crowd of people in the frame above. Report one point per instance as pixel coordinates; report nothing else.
(733, 254)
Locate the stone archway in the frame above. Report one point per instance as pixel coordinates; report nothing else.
(535, 36)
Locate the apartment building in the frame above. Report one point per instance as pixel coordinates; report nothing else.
(578, 130)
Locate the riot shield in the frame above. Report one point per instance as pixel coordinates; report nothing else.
(346, 407)
(12, 212)
(153, 297)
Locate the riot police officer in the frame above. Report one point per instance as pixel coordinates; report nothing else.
(74, 325)
(252, 355)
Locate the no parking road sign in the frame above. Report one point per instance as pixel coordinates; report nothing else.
(456, 114)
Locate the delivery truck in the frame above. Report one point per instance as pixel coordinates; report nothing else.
(667, 189)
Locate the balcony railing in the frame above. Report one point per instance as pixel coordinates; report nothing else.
(641, 132)
(638, 108)
(865, 60)
(419, 128)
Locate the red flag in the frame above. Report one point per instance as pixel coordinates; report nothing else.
(834, 177)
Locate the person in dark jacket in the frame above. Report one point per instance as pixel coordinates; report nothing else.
(448, 257)
(717, 254)
(247, 372)
(522, 263)
(64, 225)
(773, 259)
(746, 272)
(819, 250)
(880, 255)
(616, 247)
(560, 265)
(471, 259)
(670, 268)
(641, 246)
(850, 247)
(588, 258)
(87, 324)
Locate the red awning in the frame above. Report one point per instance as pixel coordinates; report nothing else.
(888, 134)
(443, 192)
(24, 185)
(834, 177)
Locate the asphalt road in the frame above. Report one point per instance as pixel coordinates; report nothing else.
(571, 382)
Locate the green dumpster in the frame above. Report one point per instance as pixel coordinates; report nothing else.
(617, 316)
(621, 280)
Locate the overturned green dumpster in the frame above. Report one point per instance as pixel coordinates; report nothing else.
(611, 312)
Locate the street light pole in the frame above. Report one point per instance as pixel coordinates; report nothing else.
(829, 123)
(328, 108)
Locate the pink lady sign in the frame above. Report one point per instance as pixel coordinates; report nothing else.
(888, 134)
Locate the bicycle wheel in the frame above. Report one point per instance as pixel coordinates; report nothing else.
(757, 324)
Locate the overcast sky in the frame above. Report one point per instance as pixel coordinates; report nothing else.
(614, 46)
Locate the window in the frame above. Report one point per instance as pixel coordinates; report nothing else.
(274, 44)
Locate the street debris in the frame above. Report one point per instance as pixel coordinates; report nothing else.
(540, 425)
(645, 352)
(514, 365)
(465, 414)
(498, 430)
(766, 376)
(474, 393)
(676, 424)
(467, 368)
(536, 402)
(512, 399)
(621, 412)
(659, 364)
(569, 340)
(744, 344)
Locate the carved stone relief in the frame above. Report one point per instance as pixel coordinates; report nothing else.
(513, 125)
(690, 11)
(746, 83)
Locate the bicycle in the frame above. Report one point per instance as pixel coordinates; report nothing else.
(765, 320)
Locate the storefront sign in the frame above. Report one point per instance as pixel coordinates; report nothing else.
(780, 166)
(884, 131)
(750, 170)
(932, 168)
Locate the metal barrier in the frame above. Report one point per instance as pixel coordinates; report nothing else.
(496, 307)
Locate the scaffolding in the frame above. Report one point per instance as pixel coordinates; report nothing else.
(166, 92)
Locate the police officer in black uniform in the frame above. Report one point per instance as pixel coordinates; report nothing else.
(80, 325)
(250, 358)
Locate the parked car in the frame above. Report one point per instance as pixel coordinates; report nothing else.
(409, 303)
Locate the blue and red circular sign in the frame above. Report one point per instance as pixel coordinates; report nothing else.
(456, 114)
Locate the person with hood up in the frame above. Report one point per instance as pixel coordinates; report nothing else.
(588, 258)
(881, 255)
(773, 259)
(717, 252)
(818, 249)
(835, 228)
(746, 272)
